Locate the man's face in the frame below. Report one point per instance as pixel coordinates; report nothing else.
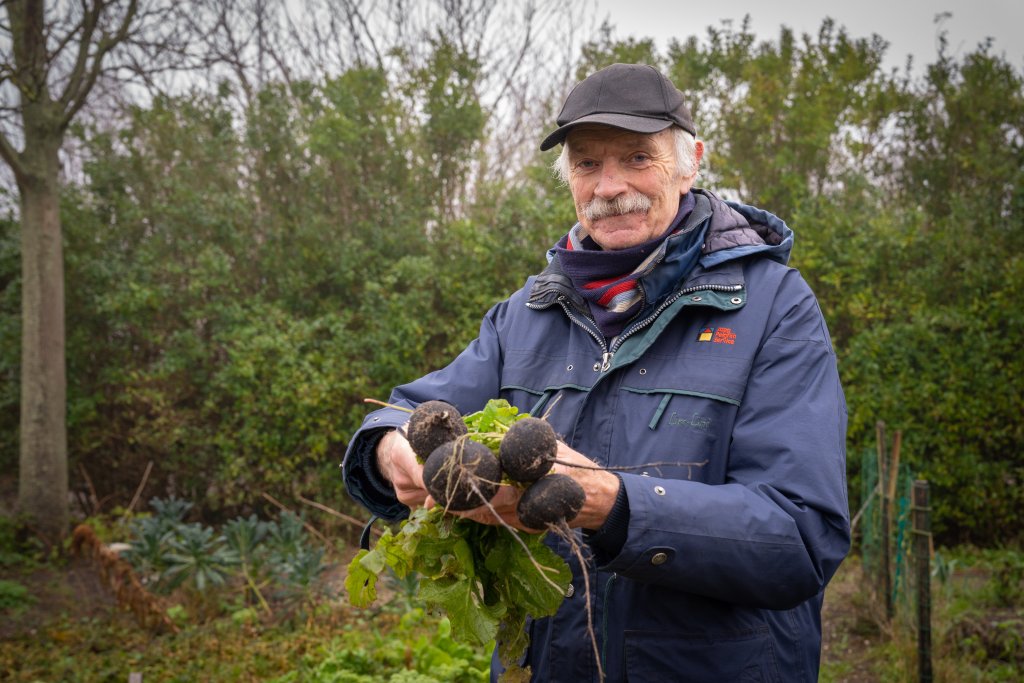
(614, 165)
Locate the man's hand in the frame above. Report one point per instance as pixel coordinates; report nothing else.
(398, 464)
(600, 486)
(504, 504)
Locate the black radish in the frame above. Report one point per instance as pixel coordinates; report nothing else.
(551, 500)
(528, 449)
(462, 474)
(433, 423)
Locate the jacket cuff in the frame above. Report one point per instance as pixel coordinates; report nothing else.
(607, 541)
(363, 478)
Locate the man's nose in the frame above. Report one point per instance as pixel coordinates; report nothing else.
(611, 183)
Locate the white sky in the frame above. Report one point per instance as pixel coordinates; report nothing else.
(907, 25)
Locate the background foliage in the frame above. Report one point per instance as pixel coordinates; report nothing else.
(243, 270)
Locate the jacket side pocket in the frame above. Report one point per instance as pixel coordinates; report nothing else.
(746, 657)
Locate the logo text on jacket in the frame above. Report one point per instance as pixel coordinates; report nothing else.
(717, 335)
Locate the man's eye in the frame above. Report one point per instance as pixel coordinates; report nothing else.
(586, 163)
(640, 158)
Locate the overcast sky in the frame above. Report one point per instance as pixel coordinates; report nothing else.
(908, 25)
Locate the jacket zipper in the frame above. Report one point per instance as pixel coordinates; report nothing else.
(636, 327)
(597, 337)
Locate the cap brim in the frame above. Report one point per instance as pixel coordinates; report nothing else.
(637, 124)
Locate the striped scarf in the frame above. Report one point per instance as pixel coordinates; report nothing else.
(609, 280)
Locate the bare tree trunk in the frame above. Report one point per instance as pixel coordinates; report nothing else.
(81, 35)
(43, 470)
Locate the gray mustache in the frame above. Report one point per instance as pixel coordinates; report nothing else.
(598, 208)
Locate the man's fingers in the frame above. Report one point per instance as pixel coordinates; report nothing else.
(501, 510)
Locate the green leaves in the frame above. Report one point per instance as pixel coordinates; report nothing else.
(497, 416)
(777, 115)
(417, 648)
(196, 555)
(472, 620)
(537, 593)
(361, 580)
(488, 425)
(486, 579)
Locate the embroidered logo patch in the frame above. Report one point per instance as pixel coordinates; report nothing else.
(717, 335)
(697, 422)
(723, 335)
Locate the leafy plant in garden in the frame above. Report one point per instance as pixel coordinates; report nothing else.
(197, 556)
(149, 546)
(415, 650)
(14, 595)
(286, 535)
(171, 510)
(151, 536)
(243, 536)
(301, 569)
(249, 554)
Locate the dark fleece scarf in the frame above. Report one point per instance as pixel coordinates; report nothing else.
(609, 280)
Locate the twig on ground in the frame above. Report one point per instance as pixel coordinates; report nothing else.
(138, 491)
(340, 515)
(309, 527)
(92, 489)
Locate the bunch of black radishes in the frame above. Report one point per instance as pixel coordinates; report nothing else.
(462, 473)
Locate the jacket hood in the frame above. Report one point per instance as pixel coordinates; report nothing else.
(737, 230)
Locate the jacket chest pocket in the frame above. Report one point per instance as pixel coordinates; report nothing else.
(679, 416)
(547, 386)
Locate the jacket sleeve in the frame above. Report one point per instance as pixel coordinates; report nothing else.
(468, 382)
(775, 531)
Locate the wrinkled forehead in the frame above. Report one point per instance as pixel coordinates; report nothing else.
(591, 137)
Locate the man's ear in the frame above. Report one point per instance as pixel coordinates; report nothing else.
(686, 183)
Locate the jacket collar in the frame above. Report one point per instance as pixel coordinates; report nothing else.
(731, 231)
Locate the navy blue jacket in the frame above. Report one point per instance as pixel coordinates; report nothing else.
(728, 384)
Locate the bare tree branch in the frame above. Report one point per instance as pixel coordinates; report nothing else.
(524, 48)
(11, 156)
(70, 34)
(233, 54)
(90, 20)
(77, 90)
(356, 17)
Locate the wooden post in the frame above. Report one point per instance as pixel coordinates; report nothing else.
(894, 466)
(885, 577)
(922, 560)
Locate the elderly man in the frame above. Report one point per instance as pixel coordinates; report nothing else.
(668, 342)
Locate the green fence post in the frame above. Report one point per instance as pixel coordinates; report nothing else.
(885, 575)
(922, 558)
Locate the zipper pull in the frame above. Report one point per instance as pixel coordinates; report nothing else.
(606, 361)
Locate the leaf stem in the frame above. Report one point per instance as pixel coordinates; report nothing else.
(387, 405)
